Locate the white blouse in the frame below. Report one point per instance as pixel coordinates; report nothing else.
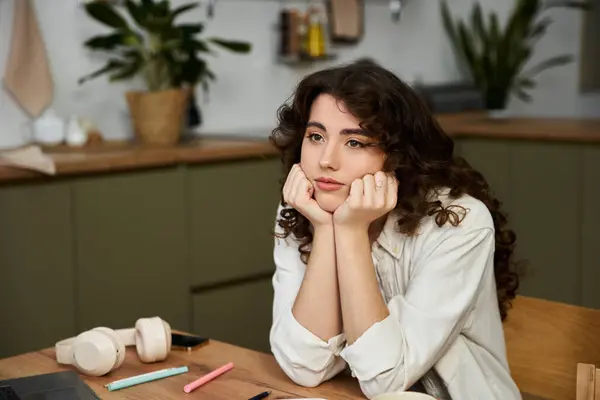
(440, 290)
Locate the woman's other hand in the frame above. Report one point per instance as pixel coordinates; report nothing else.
(370, 198)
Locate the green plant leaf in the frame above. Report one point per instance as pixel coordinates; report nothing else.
(520, 21)
(583, 5)
(468, 51)
(521, 94)
(494, 34)
(193, 69)
(105, 13)
(161, 9)
(156, 24)
(173, 44)
(449, 25)
(170, 32)
(127, 71)
(111, 65)
(175, 68)
(232, 45)
(205, 86)
(494, 40)
(540, 28)
(480, 36)
(518, 59)
(190, 29)
(526, 83)
(138, 12)
(132, 54)
(550, 63)
(211, 75)
(106, 42)
(196, 45)
(181, 9)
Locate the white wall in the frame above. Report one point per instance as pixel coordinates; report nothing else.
(251, 87)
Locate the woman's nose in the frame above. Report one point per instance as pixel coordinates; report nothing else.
(330, 157)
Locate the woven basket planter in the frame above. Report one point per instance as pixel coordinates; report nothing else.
(158, 117)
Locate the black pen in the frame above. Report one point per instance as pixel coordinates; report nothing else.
(260, 396)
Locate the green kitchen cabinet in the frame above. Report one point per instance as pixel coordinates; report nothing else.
(590, 222)
(37, 289)
(539, 184)
(232, 209)
(131, 248)
(545, 209)
(239, 314)
(492, 159)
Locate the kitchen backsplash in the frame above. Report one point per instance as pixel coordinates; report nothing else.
(249, 88)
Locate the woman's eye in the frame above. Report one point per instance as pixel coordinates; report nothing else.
(315, 137)
(355, 144)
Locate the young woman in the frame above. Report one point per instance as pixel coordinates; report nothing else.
(392, 256)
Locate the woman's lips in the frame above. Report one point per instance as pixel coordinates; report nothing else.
(328, 184)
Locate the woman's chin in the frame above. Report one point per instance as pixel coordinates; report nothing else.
(328, 202)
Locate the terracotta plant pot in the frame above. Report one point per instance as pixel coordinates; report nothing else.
(158, 117)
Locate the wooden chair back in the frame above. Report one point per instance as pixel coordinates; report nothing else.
(546, 341)
(588, 382)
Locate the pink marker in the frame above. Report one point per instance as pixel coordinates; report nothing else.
(207, 378)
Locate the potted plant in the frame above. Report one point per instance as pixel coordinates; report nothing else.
(495, 57)
(165, 54)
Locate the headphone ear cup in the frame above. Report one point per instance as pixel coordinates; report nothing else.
(152, 339)
(168, 336)
(119, 345)
(94, 353)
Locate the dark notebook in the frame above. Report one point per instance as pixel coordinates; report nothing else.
(54, 386)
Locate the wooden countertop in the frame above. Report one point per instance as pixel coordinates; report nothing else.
(122, 156)
(540, 129)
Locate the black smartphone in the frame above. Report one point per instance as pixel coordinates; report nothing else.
(187, 342)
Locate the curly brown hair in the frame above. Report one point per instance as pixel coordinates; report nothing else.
(418, 151)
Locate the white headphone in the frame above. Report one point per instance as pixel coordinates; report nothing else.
(100, 350)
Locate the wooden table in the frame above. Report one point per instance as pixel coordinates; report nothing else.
(253, 373)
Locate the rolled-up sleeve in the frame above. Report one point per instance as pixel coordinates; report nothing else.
(304, 357)
(394, 353)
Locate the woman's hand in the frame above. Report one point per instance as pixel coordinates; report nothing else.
(298, 193)
(370, 198)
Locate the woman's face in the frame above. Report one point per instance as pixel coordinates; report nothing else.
(336, 151)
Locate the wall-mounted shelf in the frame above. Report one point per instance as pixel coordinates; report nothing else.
(395, 6)
(300, 59)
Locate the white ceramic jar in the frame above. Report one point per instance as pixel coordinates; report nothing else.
(49, 128)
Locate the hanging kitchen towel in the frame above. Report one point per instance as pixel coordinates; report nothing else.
(29, 157)
(28, 78)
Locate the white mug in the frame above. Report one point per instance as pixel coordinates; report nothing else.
(403, 396)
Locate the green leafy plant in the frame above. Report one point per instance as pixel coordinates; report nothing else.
(495, 56)
(166, 54)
